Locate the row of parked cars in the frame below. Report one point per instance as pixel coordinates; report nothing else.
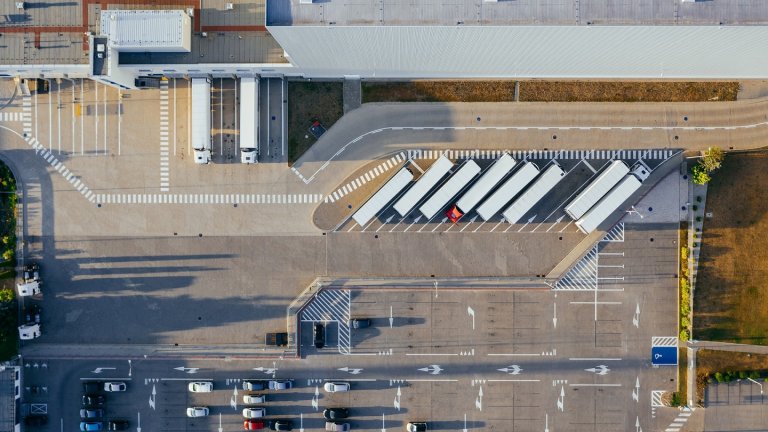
(92, 413)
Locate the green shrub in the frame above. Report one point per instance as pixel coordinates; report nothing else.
(754, 375)
(684, 335)
(695, 207)
(698, 198)
(8, 255)
(700, 175)
(6, 295)
(719, 377)
(685, 322)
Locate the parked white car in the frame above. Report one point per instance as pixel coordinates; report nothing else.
(254, 399)
(197, 412)
(280, 385)
(201, 387)
(251, 413)
(115, 387)
(335, 387)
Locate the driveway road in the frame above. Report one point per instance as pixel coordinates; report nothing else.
(378, 129)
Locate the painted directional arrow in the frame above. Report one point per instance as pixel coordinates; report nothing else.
(397, 399)
(471, 313)
(350, 370)
(221, 429)
(600, 370)
(383, 427)
(130, 368)
(98, 370)
(561, 399)
(479, 400)
(152, 397)
(433, 369)
(233, 400)
(186, 369)
(268, 371)
(391, 317)
(138, 423)
(301, 422)
(316, 399)
(636, 317)
(526, 224)
(511, 369)
(554, 319)
(637, 425)
(465, 423)
(556, 222)
(636, 391)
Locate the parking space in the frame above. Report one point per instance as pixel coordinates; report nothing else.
(546, 216)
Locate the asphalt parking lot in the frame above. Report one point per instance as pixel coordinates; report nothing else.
(547, 216)
(131, 270)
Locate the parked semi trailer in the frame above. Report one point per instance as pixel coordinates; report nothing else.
(608, 204)
(483, 186)
(201, 119)
(504, 194)
(597, 189)
(249, 120)
(423, 185)
(525, 202)
(450, 189)
(383, 196)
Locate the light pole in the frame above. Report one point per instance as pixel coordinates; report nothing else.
(761, 386)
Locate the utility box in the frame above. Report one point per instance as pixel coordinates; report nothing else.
(29, 331)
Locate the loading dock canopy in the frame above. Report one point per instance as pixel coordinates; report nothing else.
(423, 185)
(597, 189)
(608, 204)
(545, 183)
(487, 181)
(383, 196)
(508, 190)
(450, 189)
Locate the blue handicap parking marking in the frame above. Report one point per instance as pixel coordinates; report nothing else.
(666, 355)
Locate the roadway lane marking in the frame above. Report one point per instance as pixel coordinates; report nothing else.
(593, 359)
(594, 385)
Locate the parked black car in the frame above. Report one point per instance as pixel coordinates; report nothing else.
(336, 413)
(319, 335)
(94, 399)
(116, 425)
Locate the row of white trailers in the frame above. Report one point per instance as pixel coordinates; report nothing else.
(524, 188)
(249, 119)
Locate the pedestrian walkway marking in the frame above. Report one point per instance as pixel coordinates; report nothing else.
(11, 116)
(331, 305)
(583, 276)
(364, 178)
(165, 179)
(664, 341)
(615, 234)
(680, 420)
(229, 199)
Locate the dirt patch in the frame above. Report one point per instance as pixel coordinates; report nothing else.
(439, 91)
(549, 91)
(596, 91)
(732, 282)
(728, 364)
(309, 102)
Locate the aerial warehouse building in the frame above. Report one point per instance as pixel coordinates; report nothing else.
(525, 202)
(504, 194)
(597, 189)
(201, 119)
(423, 185)
(383, 196)
(249, 120)
(450, 189)
(608, 204)
(483, 186)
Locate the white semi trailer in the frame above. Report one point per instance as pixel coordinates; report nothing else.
(525, 202)
(383, 196)
(608, 204)
(487, 181)
(423, 185)
(450, 189)
(597, 189)
(201, 119)
(249, 120)
(504, 194)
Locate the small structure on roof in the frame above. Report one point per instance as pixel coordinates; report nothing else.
(147, 30)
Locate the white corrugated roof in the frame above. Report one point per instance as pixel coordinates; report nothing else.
(527, 51)
(145, 28)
